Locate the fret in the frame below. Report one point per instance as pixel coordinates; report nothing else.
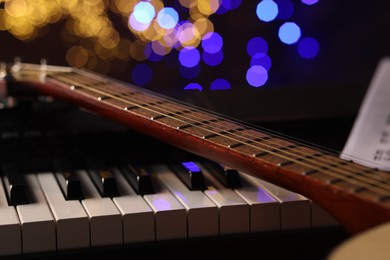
(142, 111)
(168, 121)
(200, 124)
(85, 91)
(173, 114)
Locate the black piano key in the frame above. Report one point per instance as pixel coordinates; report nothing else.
(14, 184)
(102, 177)
(68, 179)
(190, 174)
(229, 177)
(139, 178)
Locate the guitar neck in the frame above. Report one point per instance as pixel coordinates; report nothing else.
(358, 196)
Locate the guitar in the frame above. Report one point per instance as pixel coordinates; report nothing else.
(357, 196)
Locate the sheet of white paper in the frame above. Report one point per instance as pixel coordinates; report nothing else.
(369, 141)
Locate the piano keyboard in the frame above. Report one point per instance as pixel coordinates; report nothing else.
(66, 188)
(50, 222)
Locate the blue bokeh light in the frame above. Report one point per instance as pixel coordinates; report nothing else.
(267, 10)
(308, 48)
(262, 60)
(309, 2)
(257, 45)
(167, 18)
(212, 42)
(220, 84)
(286, 9)
(228, 5)
(213, 59)
(141, 74)
(257, 76)
(289, 33)
(193, 86)
(189, 57)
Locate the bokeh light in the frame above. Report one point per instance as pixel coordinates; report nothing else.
(193, 86)
(257, 45)
(257, 76)
(286, 9)
(289, 33)
(220, 84)
(308, 48)
(267, 10)
(309, 2)
(189, 57)
(156, 29)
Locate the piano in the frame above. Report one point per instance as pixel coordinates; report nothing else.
(75, 184)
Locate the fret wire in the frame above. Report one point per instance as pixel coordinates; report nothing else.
(348, 179)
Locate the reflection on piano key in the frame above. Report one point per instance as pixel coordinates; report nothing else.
(202, 213)
(138, 217)
(72, 223)
(10, 233)
(264, 209)
(38, 226)
(170, 215)
(104, 217)
(233, 210)
(295, 209)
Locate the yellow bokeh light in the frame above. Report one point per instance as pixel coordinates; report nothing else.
(208, 7)
(93, 39)
(77, 56)
(16, 8)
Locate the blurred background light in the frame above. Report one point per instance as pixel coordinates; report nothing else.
(267, 10)
(308, 48)
(289, 33)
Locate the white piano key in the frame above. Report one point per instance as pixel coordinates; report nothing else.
(38, 225)
(138, 217)
(10, 229)
(322, 218)
(104, 218)
(72, 223)
(170, 215)
(234, 216)
(295, 209)
(202, 213)
(264, 208)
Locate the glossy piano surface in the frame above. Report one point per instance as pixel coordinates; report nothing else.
(76, 208)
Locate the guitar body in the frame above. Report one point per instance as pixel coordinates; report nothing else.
(357, 196)
(372, 244)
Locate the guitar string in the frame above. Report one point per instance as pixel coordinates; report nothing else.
(348, 179)
(304, 149)
(278, 155)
